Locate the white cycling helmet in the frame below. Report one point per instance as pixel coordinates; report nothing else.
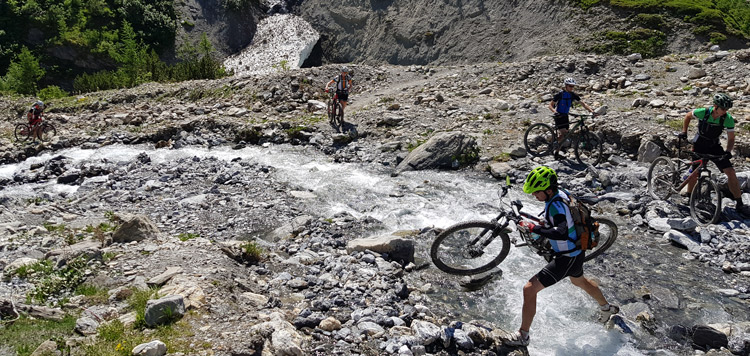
(345, 69)
(39, 104)
(570, 81)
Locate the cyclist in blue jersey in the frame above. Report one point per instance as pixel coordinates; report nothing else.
(567, 260)
(343, 83)
(561, 104)
(711, 123)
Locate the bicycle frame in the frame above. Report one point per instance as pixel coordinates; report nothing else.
(699, 165)
(578, 128)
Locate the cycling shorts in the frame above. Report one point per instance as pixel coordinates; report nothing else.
(562, 121)
(722, 163)
(343, 95)
(35, 121)
(561, 267)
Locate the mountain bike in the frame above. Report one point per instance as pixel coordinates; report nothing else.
(335, 111)
(23, 132)
(664, 179)
(477, 246)
(540, 140)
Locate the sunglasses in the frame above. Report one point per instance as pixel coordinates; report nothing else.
(722, 108)
(569, 86)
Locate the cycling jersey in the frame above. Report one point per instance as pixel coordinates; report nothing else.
(564, 101)
(562, 230)
(710, 128)
(342, 84)
(34, 115)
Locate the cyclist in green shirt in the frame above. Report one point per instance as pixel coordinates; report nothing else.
(711, 123)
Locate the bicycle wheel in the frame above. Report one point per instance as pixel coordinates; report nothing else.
(469, 248)
(661, 178)
(47, 132)
(588, 148)
(339, 121)
(22, 132)
(538, 139)
(705, 202)
(607, 237)
(331, 112)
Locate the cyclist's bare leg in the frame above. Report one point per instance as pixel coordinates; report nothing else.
(590, 287)
(733, 183)
(530, 290)
(561, 133)
(343, 106)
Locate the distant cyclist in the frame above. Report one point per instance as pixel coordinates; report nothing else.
(343, 86)
(561, 104)
(711, 123)
(34, 115)
(567, 260)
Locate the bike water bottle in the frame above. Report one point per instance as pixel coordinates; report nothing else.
(534, 236)
(688, 173)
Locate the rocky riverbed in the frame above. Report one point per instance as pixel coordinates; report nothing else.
(239, 217)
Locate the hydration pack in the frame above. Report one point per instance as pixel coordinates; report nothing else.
(587, 228)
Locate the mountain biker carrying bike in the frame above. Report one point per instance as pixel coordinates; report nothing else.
(561, 104)
(711, 123)
(34, 115)
(567, 260)
(343, 85)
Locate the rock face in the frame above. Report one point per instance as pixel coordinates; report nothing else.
(282, 42)
(439, 32)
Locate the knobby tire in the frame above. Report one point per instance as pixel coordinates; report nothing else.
(705, 202)
(47, 132)
(588, 149)
(22, 132)
(607, 237)
(539, 139)
(449, 251)
(661, 178)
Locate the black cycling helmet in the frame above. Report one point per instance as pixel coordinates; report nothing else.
(723, 100)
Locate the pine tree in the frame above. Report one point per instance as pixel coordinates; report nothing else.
(24, 73)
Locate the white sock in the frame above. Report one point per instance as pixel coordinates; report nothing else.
(524, 334)
(604, 307)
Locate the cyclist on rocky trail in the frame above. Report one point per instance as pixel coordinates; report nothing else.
(34, 115)
(343, 83)
(561, 104)
(567, 260)
(711, 123)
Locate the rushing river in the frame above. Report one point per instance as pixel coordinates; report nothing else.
(565, 323)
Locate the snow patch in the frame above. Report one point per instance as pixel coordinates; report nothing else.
(282, 42)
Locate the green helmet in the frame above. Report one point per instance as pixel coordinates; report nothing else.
(723, 100)
(540, 178)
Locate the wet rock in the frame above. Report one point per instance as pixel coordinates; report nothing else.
(440, 151)
(705, 338)
(397, 248)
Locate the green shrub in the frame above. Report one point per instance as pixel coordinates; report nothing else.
(717, 37)
(187, 236)
(652, 21)
(52, 92)
(252, 253)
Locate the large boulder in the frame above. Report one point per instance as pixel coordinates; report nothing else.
(164, 310)
(397, 248)
(443, 150)
(136, 228)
